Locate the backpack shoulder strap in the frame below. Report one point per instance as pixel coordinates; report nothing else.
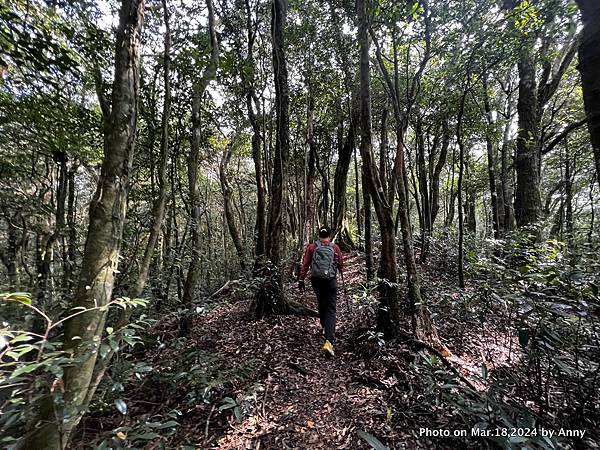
(318, 243)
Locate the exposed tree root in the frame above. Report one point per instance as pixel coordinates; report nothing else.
(440, 354)
(292, 308)
(344, 240)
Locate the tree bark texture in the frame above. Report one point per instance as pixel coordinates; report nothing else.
(528, 202)
(107, 215)
(198, 89)
(589, 68)
(490, 138)
(369, 265)
(388, 316)
(270, 298)
(227, 191)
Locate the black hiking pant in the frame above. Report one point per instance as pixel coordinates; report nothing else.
(326, 292)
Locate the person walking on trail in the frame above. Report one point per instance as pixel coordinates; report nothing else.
(324, 259)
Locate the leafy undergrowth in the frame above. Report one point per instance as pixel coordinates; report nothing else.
(236, 383)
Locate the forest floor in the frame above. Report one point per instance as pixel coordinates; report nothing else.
(237, 383)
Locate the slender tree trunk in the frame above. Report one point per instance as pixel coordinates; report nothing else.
(589, 67)
(423, 185)
(569, 193)
(282, 133)
(260, 226)
(9, 256)
(72, 227)
(590, 235)
(227, 191)
(388, 316)
(341, 180)
(158, 207)
(450, 217)
(270, 297)
(261, 222)
(383, 148)
(528, 203)
(198, 89)
(357, 195)
(309, 185)
(61, 206)
(158, 213)
(505, 174)
(369, 265)
(101, 255)
(426, 227)
(461, 158)
(491, 158)
(435, 180)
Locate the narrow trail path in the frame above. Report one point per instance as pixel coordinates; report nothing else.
(237, 383)
(308, 400)
(305, 400)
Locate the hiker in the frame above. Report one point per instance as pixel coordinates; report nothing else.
(324, 259)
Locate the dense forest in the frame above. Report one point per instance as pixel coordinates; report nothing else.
(165, 164)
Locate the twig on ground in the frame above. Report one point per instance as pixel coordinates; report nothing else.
(298, 368)
(208, 422)
(439, 354)
(265, 397)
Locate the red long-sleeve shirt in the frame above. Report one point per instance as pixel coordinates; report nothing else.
(309, 253)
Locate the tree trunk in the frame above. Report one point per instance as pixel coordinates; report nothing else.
(389, 311)
(309, 184)
(422, 171)
(590, 234)
(227, 191)
(359, 219)
(388, 316)
(435, 180)
(528, 203)
(461, 159)
(158, 207)
(533, 97)
(9, 256)
(383, 149)
(341, 180)
(198, 89)
(589, 68)
(369, 265)
(423, 186)
(101, 255)
(61, 204)
(490, 135)
(505, 173)
(569, 165)
(260, 228)
(450, 216)
(282, 134)
(72, 227)
(270, 297)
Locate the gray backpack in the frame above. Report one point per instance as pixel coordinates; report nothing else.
(323, 264)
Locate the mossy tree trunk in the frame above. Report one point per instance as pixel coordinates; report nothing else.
(107, 215)
(198, 89)
(270, 298)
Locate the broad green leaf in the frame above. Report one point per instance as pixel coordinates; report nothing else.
(21, 297)
(372, 440)
(25, 369)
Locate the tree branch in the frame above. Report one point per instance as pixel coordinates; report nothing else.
(563, 134)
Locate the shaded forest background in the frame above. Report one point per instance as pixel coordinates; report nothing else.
(164, 163)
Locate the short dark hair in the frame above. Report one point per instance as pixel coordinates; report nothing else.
(324, 231)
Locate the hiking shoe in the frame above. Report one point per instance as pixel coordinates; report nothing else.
(328, 348)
